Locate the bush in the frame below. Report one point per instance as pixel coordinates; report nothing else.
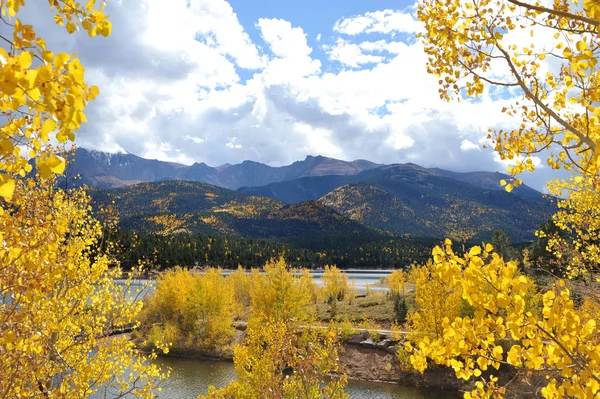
(400, 308)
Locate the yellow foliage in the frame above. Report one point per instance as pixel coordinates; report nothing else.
(242, 285)
(282, 356)
(279, 361)
(191, 311)
(45, 98)
(396, 282)
(558, 117)
(559, 108)
(505, 327)
(435, 299)
(60, 302)
(335, 284)
(281, 295)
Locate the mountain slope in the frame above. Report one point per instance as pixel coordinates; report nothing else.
(407, 199)
(175, 207)
(490, 181)
(104, 170)
(298, 190)
(312, 188)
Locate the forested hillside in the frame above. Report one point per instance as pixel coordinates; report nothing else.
(179, 207)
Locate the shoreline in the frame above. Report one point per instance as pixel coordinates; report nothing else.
(362, 359)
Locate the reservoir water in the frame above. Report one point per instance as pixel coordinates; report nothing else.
(190, 378)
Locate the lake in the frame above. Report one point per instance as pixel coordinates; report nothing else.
(190, 377)
(360, 278)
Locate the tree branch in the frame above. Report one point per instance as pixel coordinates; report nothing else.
(559, 13)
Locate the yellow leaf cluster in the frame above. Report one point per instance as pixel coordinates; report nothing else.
(509, 325)
(335, 284)
(42, 94)
(60, 302)
(283, 355)
(559, 109)
(190, 311)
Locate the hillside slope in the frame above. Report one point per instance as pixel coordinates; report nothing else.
(312, 188)
(419, 202)
(180, 207)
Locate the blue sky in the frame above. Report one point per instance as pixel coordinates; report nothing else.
(220, 81)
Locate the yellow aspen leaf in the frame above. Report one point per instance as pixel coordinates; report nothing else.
(60, 60)
(25, 60)
(48, 56)
(51, 164)
(497, 352)
(509, 188)
(94, 92)
(581, 45)
(76, 69)
(48, 127)
(31, 78)
(107, 29)
(7, 186)
(34, 94)
(475, 251)
(70, 27)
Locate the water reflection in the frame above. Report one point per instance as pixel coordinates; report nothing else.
(190, 377)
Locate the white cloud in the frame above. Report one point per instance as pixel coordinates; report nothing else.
(197, 140)
(165, 152)
(351, 54)
(318, 38)
(288, 44)
(467, 145)
(319, 140)
(386, 21)
(174, 24)
(231, 143)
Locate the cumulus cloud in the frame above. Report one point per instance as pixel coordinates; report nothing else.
(351, 54)
(467, 145)
(232, 143)
(183, 81)
(386, 21)
(197, 140)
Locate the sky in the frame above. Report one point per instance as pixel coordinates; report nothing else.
(218, 81)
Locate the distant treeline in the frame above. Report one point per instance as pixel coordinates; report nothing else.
(203, 250)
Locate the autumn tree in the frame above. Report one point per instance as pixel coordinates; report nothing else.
(546, 53)
(43, 93)
(60, 302)
(281, 295)
(335, 284)
(59, 299)
(283, 355)
(435, 299)
(190, 311)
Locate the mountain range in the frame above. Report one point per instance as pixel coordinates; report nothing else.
(313, 199)
(112, 170)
